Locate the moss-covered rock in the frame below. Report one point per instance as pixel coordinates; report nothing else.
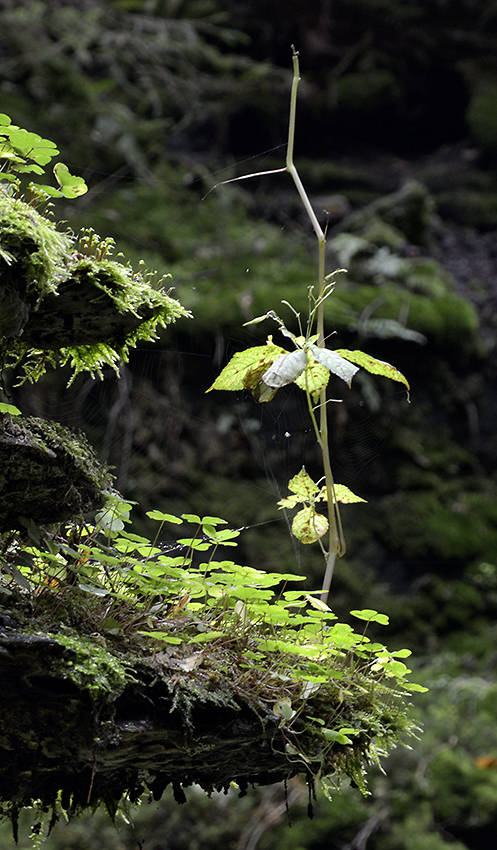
(47, 474)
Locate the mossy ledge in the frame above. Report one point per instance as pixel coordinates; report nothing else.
(63, 300)
(85, 721)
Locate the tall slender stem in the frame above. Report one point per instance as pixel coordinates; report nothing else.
(336, 542)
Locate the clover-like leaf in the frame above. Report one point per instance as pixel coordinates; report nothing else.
(70, 186)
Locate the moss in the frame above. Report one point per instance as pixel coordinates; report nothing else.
(408, 210)
(36, 252)
(448, 319)
(456, 526)
(87, 308)
(427, 277)
(481, 117)
(91, 666)
(47, 474)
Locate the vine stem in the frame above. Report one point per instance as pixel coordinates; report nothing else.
(336, 541)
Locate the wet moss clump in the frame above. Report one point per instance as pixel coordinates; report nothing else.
(63, 300)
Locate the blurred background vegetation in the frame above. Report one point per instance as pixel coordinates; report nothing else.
(155, 102)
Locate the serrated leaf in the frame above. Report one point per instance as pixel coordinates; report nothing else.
(342, 494)
(314, 378)
(246, 368)
(333, 361)
(289, 502)
(303, 485)
(371, 364)
(308, 526)
(285, 369)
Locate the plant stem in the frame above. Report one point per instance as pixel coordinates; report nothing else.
(336, 542)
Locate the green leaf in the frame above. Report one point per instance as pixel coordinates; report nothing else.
(371, 616)
(192, 518)
(340, 736)
(283, 708)
(213, 520)
(91, 588)
(371, 364)
(204, 637)
(9, 408)
(163, 636)
(195, 543)
(161, 517)
(246, 368)
(70, 186)
(319, 605)
(413, 686)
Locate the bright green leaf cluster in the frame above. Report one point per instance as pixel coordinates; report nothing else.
(22, 152)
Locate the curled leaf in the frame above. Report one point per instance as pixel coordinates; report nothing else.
(334, 362)
(286, 369)
(308, 526)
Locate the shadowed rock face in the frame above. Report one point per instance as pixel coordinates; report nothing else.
(47, 474)
(56, 737)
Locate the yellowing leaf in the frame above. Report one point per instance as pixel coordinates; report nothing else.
(371, 364)
(246, 368)
(342, 494)
(314, 378)
(303, 485)
(308, 526)
(289, 502)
